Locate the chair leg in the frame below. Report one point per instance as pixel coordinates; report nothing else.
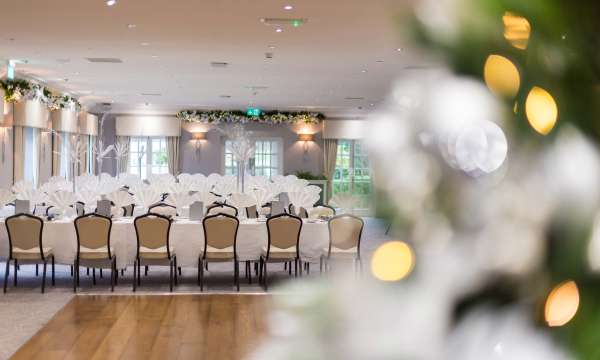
(44, 277)
(113, 270)
(249, 272)
(53, 281)
(122, 272)
(289, 265)
(307, 268)
(146, 271)
(265, 276)
(201, 269)
(77, 272)
(94, 276)
(256, 269)
(72, 273)
(237, 274)
(101, 276)
(321, 265)
(171, 276)
(139, 273)
(87, 271)
(296, 268)
(15, 276)
(36, 270)
(285, 265)
(179, 268)
(74, 277)
(6, 271)
(134, 273)
(176, 268)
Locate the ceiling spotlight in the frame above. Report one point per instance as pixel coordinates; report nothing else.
(272, 47)
(131, 26)
(145, 44)
(155, 56)
(364, 71)
(399, 49)
(111, 2)
(279, 30)
(288, 7)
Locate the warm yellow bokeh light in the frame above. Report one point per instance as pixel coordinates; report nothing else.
(392, 261)
(541, 110)
(501, 76)
(562, 304)
(516, 30)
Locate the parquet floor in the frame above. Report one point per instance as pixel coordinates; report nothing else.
(152, 327)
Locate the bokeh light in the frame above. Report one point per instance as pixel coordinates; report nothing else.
(541, 110)
(562, 304)
(392, 261)
(501, 76)
(516, 30)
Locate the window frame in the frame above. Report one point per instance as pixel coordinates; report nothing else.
(355, 153)
(280, 155)
(148, 167)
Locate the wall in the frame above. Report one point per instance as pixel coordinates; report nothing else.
(6, 167)
(209, 157)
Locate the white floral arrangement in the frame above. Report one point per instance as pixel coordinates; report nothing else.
(238, 117)
(20, 89)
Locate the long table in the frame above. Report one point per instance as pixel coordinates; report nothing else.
(186, 237)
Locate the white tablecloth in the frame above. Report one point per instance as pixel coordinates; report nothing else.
(187, 237)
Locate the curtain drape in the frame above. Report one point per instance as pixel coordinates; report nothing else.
(330, 154)
(37, 134)
(91, 156)
(173, 154)
(83, 154)
(124, 161)
(56, 146)
(18, 153)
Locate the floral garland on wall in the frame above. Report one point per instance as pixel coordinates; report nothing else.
(239, 117)
(19, 89)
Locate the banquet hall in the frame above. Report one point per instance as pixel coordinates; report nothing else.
(299, 179)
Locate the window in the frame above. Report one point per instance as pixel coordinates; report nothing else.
(148, 156)
(352, 172)
(266, 160)
(31, 138)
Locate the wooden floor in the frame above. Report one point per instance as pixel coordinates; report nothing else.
(152, 327)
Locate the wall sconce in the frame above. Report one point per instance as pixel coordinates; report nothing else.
(198, 137)
(305, 138)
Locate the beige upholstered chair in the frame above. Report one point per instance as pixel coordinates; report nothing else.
(93, 247)
(221, 209)
(220, 234)
(283, 245)
(251, 212)
(153, 247)
(25, 245)
(345, 232)
(321, 211)
(163, 209)
(302, 213)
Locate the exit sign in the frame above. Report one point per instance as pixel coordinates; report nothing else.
(253, 112)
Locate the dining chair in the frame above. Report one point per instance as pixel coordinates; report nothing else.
(93, 247)
(25, 246)
(321, 211)
(302, 213)
(163, 209)
(128, 210)
(345, 232)
(221, 209)
(220, 240)
(251, 212)
(283, 243)
(153, 247)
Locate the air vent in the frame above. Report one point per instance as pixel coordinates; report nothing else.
(295, 22)
(353, 98)
(219, 64)
(105, 60)
(256, 87)
(420, 67)
(150, 94)
(225, 96)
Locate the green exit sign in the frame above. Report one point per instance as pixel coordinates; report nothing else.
(253, 112)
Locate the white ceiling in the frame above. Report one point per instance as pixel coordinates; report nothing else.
(315, 66)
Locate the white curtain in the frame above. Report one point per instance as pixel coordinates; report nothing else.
(19, 153)
(330, 155)
(56, 147)
(173, 154)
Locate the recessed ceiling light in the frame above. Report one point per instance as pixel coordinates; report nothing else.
(131, 26)
(399, 49)
(111, 2)
(363, 71)
(155, 56)
(279, 30)
(144, 44)
(272, 47)
(288, 7)
(380, 61)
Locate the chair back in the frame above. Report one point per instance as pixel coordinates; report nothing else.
(302, 213)
(220, 231)
(345, 232)
(163, 209)
(24, 232)
(321, 210)
(93, 232)
(284, 231)
(222, 209)
(128, 210)
(152, 231)
(251, 212)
